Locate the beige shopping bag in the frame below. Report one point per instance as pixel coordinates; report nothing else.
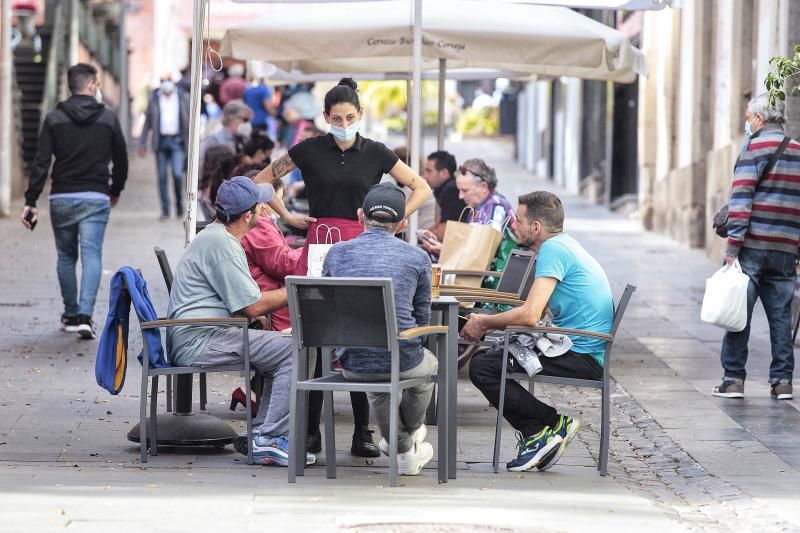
(468, 247)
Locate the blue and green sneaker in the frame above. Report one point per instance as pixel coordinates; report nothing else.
(567, 428)
(532, 450)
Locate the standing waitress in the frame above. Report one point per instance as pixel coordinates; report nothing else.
(338, 169)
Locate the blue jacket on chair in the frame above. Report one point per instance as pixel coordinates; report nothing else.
(127, 286)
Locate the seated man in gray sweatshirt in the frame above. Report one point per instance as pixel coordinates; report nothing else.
(377, 253)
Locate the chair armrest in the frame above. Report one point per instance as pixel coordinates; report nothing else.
(489, 299)
(240, 322)
(481, 273)
(422, 330)
(566, 331)
(453, 290)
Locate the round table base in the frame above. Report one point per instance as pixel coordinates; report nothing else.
(189, 430)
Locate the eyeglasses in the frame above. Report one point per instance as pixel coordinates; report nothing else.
(463, 170)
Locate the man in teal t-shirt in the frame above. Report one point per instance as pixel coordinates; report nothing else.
(572, 284)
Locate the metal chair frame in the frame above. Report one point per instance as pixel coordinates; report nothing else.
(334, 381)
(602, 384)
(150, 372)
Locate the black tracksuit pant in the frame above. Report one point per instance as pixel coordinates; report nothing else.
(524, 412)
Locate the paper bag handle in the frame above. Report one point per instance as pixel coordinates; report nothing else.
(462, 213)
(328, 233)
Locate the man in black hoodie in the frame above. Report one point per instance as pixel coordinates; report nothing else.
(84, 137)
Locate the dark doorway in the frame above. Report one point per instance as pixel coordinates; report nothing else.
(625, 160)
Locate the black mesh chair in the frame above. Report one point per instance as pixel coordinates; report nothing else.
(602, 384)
(329, 313)
(515, 282)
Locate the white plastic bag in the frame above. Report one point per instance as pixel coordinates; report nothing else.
(317, 252)
(725, 300)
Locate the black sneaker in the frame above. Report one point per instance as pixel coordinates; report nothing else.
(314, 442)
(69, 323)
(729, 388)
(363, 445)
(86, 327)
(782, 390)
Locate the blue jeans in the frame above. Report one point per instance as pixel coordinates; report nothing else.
(79, 223)
(171, 153)
(772, 277)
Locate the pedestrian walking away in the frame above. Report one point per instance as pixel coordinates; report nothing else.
(763, 234)
(167, 116)
(80, 138)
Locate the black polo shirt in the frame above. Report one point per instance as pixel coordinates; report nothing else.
(337, 181)
(450, 205)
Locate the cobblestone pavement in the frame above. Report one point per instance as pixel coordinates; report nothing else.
(680, 459)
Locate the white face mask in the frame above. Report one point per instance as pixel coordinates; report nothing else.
(98, 96)
(345, 134)
(244, 130)
(167, 86)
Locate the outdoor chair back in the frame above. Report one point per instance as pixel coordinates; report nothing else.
(602, 384)
(166, 271)
(330, 313)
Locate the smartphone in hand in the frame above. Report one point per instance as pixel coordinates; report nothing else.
(423, 235)
(29, 219)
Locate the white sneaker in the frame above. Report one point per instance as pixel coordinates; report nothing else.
(411, 462)
(417, 436)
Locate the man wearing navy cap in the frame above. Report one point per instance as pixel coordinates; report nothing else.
(377, 253)
(212, 280)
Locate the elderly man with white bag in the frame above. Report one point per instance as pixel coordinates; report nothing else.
(763, 231)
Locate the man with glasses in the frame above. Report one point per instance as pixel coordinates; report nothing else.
(477, 188)
(235, 131)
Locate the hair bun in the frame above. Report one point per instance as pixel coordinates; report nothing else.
(349, 82)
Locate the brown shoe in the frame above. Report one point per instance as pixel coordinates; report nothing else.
(782, 390)
(729, 388)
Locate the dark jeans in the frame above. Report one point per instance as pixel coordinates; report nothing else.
(772, 277)
(171, 155)
(524, 412)
(357, 399)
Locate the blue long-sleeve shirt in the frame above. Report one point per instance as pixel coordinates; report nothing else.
(378, 254)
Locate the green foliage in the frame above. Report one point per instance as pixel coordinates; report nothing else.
(482, 122)
(387, 100)
(783, 68)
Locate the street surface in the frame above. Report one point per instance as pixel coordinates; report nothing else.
(681, 460)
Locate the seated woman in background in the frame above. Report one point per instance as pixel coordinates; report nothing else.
(212, 174)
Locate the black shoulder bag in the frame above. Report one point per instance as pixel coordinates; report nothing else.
(720, 220)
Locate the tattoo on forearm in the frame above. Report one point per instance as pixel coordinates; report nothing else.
(282, 166)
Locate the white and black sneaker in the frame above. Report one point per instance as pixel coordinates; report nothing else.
(69, 323)
(86, 327)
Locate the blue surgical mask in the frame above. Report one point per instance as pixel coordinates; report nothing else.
(345, 134)
(748, 130)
